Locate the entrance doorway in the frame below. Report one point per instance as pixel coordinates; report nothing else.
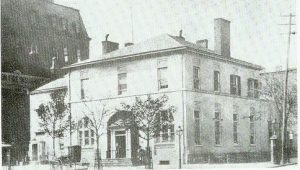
(120, 144)
(34, 152)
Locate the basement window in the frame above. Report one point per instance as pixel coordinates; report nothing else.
(164, 162)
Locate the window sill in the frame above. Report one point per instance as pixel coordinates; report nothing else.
(236, 145)
(87, 147)
(199, 145)
(219, 145)
(252, 145)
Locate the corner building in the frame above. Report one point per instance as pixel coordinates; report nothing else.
(216, 99)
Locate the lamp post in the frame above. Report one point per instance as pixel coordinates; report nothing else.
(179, 133)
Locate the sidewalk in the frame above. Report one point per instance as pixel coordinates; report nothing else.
(241, 165)
(293, 164)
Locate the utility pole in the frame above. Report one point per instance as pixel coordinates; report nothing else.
(284, 114)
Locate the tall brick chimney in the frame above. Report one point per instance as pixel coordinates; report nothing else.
(109, 46)
(222, 37)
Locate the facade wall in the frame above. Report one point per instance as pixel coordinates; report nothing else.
(142, 79)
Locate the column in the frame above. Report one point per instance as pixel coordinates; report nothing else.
(112, 145)
(128, 143)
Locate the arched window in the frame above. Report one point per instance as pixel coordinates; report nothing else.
(86, 135)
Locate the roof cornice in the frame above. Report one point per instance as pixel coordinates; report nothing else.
(122, 57)
(205, 53)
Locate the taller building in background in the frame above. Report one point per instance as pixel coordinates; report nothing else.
(38, 38)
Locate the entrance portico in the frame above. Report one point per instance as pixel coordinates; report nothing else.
(122, 138)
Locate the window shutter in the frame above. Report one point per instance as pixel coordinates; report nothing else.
(215, 80)
(249, 87)
(231, 84)
(256, 88)
(239, 85)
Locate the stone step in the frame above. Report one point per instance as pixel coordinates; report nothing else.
(116, 162)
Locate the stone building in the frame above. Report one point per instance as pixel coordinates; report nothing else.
(215, 95)
(38, 38)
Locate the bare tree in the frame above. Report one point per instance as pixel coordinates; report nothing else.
(54, 116)
(149, 116)
(96, 123)
(273, 89)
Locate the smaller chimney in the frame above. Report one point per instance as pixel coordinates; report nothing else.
(128, 44)
(180, 35)
(109, 46)
(202, 43)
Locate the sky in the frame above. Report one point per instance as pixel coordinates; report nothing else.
(256, 35)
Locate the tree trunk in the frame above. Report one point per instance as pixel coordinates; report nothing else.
(53, 145)
(53, 137)
(97, 152)
(148, 151)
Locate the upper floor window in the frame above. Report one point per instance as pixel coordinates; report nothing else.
(218, 125)
(122, 80)
(34, 17)
(83, 88)
(74, 27)
(66, 57)
(162, 74)
(217, 85)
(33, 49)
(252, 88)
(196, 77)
(78, 54)
(86, 135)
(235, 85)
(198, 127)
(65, 24)
(252, 125)
(235, 118)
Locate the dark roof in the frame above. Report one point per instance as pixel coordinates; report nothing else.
(59, 83)
(280, 72)
(164, 42)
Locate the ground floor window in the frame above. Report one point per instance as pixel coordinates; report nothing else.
(86, 135)
(167, 134)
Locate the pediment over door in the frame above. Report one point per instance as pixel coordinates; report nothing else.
(120, 120)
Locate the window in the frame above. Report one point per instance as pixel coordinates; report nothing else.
(122, 80)
(235, 118)
(86, 135)
(33, 49)
(78, 54)
(166, 133)
(235, 85)
(66, 55)
(196, 77)
(83, 88)
(164, 162)
(34, 17)
(198, 127)
(65, 24)
(217, 81)
(217, 124)
(74, 27)
(252, 88)
(162, 74)
(252, 126)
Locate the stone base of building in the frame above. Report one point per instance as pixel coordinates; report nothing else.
(234, 157)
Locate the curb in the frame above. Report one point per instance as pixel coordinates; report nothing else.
(278, 166)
